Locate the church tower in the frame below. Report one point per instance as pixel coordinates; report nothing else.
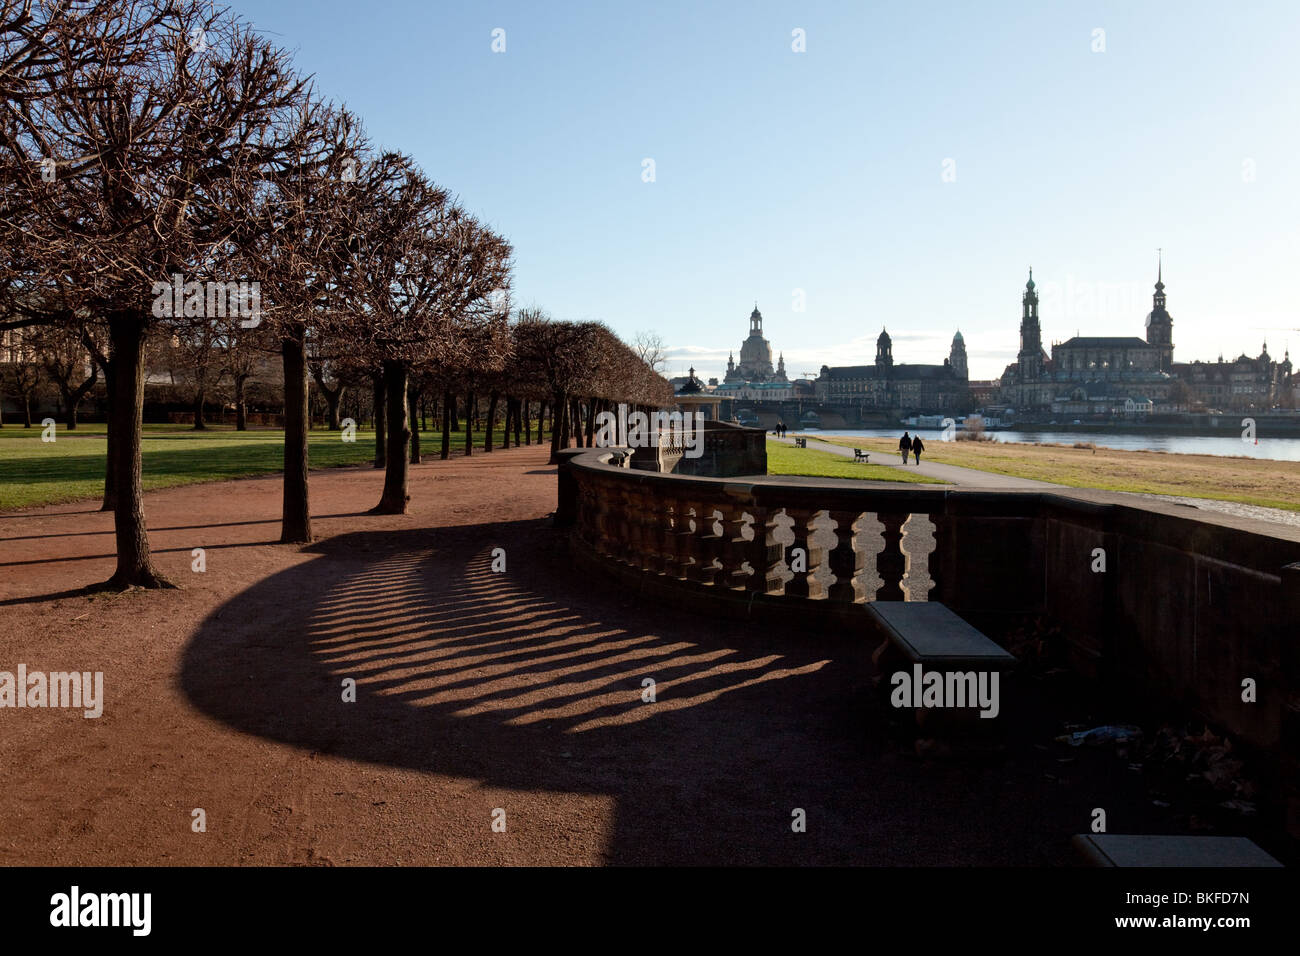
(1031, 336)
(957, 357)
(884, 351)
(1160, 327)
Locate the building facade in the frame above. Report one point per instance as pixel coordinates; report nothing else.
(889, 386)
(755, 357)
(1109, 375)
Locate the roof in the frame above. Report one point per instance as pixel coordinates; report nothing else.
(850, 371)
(900, 372)
(1106, 342)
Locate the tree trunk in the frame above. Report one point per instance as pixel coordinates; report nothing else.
(448, 411)
(134, 563)
(521, 418)
(295, 515)
(541, 418)
(411, 402)
(469, 424)
(110, 438)
(70, 404)
(493, 398)
(241, 410)
(27, 409)
(381, 421)
(333, 399)
(393, 500)
(199, 424)
(591, 422)
(558, 406)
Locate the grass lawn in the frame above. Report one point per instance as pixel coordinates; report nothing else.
(787, 460)
(33, 472)
(1254, 481)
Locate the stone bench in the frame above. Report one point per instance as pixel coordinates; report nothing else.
(1121, 849)
(926, 637)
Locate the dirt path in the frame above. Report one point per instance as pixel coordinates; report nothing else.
(477, 691)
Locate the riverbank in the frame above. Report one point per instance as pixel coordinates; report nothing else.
(1251, 481)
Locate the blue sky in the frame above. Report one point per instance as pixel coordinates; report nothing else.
(821, 171)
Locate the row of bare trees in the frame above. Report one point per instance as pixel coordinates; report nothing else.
(152, 145)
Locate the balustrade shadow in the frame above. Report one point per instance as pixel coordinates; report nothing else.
(532, 679)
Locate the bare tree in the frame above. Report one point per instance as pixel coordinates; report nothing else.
(427, 283)
(649, 347)
(154, 111)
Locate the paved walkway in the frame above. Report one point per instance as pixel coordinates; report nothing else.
(957, 475)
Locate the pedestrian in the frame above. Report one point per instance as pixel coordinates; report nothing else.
(918, 446)
(905, 445)
(780, 429)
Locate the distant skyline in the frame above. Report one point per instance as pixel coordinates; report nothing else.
(824, 171)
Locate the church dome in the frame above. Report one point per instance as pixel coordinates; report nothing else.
(883, 340)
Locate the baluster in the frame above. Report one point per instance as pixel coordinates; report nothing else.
(684, 544)
(661, 533)
(709, 541)
(735, 543)
(636, 529)
(763, 553)
(649, 515)
(846, 560)
(891, 563)
(805, 583)
(934, 560)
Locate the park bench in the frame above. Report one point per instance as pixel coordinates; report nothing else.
(860, 455)
(929, 634)
(801, 443)
(1121, 849)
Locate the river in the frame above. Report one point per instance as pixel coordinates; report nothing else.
(1277, 449)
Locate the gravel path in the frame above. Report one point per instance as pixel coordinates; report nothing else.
(1235, 508)
(521, 691)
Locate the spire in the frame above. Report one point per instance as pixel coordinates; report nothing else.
(1160, 269)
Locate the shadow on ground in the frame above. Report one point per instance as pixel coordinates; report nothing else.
(532, 679)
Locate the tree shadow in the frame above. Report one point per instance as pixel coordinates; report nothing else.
(532, 679)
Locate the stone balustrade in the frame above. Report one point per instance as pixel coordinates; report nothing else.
(1189, 604)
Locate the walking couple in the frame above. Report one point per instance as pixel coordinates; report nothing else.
(914, 445)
